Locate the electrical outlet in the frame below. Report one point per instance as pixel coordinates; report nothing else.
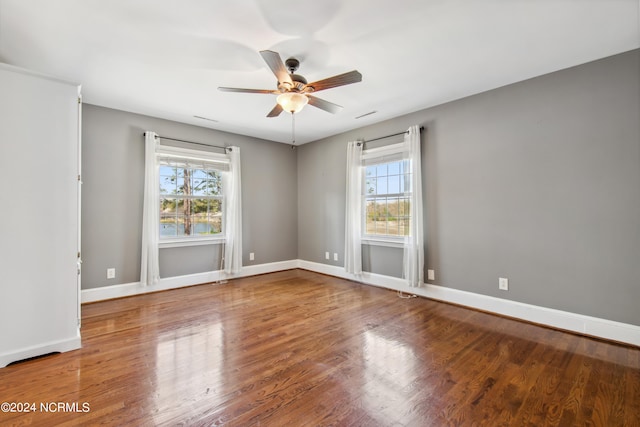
(111, 273)
(335, 256)
(431, 275)
(251, 256)
(326, 255)
(503, 284)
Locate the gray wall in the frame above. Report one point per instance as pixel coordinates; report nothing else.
(538, 182)
(113, 174)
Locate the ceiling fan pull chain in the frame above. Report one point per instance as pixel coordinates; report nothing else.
(293, 130)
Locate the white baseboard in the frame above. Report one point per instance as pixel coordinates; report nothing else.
(137, 288)
(587, 325)
(46, 348)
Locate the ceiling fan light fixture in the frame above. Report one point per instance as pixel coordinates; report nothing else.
(292, 102)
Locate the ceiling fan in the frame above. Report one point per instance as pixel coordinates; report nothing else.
(293, 90)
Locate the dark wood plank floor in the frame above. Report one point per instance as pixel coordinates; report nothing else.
(297, 348)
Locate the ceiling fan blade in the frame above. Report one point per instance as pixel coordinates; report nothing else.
(275, 112)
(324, 105)
(339, 80)
(274, 62)
(235, 89)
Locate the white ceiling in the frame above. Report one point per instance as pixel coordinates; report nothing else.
(166, 58)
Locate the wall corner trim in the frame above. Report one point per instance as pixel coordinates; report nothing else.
(573, 322)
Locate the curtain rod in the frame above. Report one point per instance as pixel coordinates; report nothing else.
(388, 136)
(190, 142)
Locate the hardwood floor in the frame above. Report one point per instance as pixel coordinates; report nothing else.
(296, 348)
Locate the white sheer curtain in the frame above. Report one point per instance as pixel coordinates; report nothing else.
(353, 211)
(413, 265)
(233, 214)
(149, 265)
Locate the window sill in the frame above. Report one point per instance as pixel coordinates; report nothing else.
(178, 243)
(379, 241)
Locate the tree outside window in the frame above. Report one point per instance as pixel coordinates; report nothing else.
(190, 201)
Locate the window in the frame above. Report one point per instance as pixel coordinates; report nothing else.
(383, 203)
(191, 195)
(386, 194)
(190, 200)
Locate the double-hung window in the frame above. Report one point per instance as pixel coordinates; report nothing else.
(386, 195)
(191, 194)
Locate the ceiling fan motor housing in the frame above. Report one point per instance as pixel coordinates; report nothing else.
(298, 82)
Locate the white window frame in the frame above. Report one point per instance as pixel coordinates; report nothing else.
(212, 160)
(380, 155)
